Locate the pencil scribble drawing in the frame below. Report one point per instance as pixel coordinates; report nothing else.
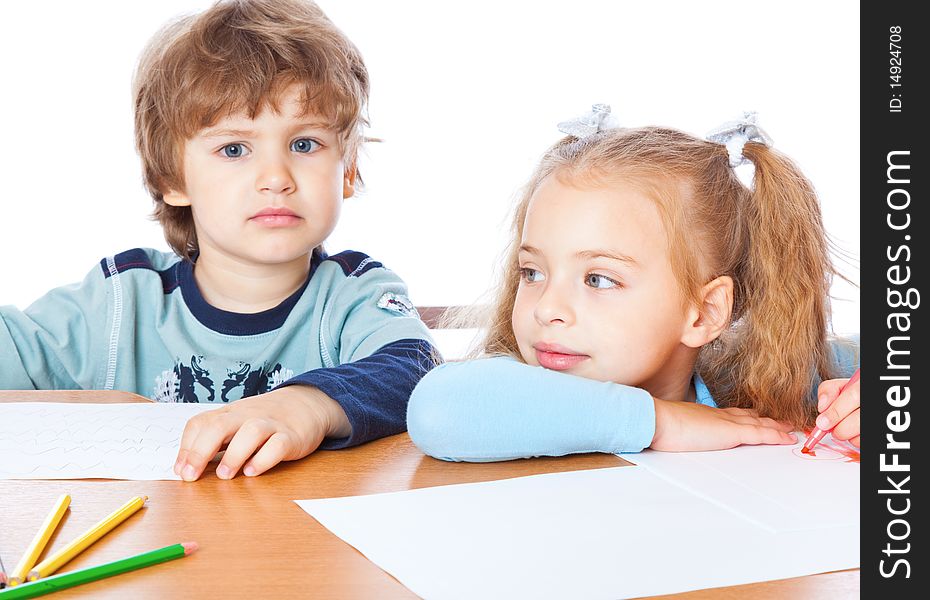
(46, 440)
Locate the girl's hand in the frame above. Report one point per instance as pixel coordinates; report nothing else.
(259, 432)
(839, 411)
(685, 426)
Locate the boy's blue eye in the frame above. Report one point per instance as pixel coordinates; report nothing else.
(531, 275)
(233, 150)
(304, 145)
(601, 282)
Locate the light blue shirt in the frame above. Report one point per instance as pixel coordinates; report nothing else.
(139, 323)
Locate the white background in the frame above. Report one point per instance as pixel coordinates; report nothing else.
(466, 96)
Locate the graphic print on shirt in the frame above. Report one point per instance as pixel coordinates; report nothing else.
(190, 375)
(182, 383)
(398, 303)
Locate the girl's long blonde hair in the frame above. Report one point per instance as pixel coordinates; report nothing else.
(770, 239)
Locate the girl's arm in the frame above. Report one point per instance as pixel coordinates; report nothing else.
(500, 409)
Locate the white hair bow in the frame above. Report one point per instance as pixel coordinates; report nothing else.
(735, 134)
(596, 120)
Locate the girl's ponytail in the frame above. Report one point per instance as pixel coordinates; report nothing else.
(769, 358)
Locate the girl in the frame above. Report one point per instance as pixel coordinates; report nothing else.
(646, 286)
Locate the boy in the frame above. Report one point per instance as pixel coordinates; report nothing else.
(248, 119)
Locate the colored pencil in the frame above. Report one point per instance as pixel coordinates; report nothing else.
(56, 560)
(40, 540)
(817, 434)
(66, 580)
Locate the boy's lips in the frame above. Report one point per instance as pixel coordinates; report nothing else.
(275, 217)
(556, 357)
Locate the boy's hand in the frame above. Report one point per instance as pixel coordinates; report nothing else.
(685, 426)
(839, 411)
(259, 432)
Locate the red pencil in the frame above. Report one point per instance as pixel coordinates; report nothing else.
(817, 434)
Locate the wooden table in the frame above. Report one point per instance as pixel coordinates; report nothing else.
(255, 542)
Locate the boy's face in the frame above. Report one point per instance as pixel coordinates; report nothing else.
(597, 295)
(267, 190)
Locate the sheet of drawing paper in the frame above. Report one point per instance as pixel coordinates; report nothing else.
(52, 440)
(776, 487)
(604, 533)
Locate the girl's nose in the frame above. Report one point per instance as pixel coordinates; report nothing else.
(554, 307)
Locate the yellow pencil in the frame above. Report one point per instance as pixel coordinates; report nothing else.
(40, 540)
(55, 561)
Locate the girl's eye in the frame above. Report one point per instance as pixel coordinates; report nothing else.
(234, 150)
(600, 282)
(531, 275)
(304, 145)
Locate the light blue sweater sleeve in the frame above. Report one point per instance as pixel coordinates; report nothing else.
(498, 408)
(58, 342)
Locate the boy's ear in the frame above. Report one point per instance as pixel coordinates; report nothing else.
(706, 322)
(348, 181)
(174, 198)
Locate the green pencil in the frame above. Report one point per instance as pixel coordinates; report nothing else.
(66, 580)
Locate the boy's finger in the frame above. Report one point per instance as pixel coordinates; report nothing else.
(276, 449)
(848, 428)
(244, 443)
(207, 443)
(191, 429)
(854, 441)
(845, 404)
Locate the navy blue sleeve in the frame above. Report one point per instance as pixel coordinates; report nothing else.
(373, 391)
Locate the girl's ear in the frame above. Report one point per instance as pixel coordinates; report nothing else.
(706, 322)
(348, 181)
(174, 198)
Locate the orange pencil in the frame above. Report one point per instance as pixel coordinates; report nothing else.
(817, 434)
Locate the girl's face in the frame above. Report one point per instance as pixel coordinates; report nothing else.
(597, 295)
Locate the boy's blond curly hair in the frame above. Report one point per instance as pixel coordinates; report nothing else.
(239, 56)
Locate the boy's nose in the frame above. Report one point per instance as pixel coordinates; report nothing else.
(554, 307)
(275, 178)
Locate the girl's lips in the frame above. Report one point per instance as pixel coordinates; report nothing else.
(558, 361)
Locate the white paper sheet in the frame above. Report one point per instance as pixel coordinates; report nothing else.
(51, 440)
(604, 533)
(776, 487)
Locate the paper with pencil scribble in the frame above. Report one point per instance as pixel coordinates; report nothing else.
(50, 440)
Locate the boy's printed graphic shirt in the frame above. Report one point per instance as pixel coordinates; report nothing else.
(139, 323)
